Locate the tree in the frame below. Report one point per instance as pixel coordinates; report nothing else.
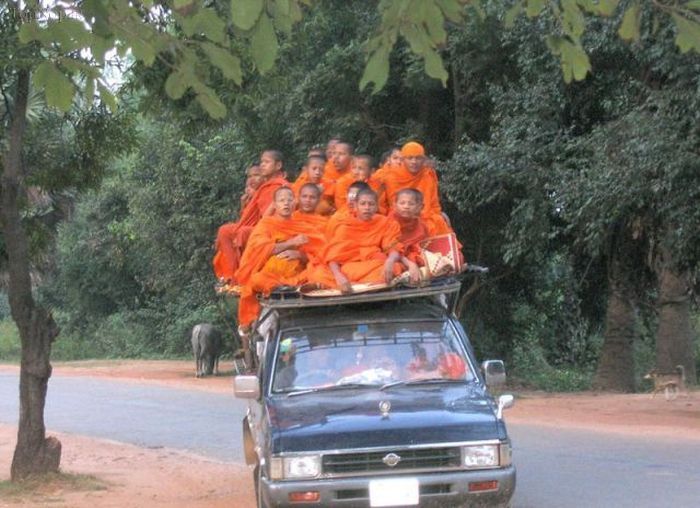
(64, 51)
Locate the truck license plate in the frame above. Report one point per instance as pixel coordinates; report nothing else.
(393, 492)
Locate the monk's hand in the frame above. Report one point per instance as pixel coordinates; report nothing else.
(414, 275)
(299, 240)
(289, 254)
(388, 271)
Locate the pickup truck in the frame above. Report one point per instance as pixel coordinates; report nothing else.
(374, 400)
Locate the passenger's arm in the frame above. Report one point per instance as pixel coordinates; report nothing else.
(392, 258)
(340, 278)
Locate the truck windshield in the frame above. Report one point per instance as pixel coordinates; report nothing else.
(368, 355)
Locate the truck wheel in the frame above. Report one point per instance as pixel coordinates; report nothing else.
(257, 474)
(248, 445)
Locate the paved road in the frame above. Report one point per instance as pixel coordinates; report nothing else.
(556, 467)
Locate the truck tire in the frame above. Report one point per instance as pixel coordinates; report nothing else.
(257, 475)
(248, 444)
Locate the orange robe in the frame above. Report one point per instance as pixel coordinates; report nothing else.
(325, 205)
(335, 219)
(232, 237)
(413, 232)
(261, 271)
(398, 177)
(360, 248)
(314, 220)
(344, 183)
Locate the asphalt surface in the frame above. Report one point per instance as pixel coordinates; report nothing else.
(556, 467)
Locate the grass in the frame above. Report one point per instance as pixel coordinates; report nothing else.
(48, 487)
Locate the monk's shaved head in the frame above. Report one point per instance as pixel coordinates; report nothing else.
(311, 187)
(366, 204)
(282, 190)
(367, 192)
(345, 146)
(309, 196)
(277, 155)
(415, 194)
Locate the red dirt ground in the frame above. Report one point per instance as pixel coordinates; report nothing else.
(136, 477)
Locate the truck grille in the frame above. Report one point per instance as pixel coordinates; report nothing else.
(368, 462)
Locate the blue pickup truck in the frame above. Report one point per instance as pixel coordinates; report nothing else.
(374, 400)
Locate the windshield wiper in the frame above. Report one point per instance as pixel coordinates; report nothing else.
(331, 388)
(427, 380)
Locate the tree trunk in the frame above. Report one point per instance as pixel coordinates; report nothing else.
(34, 453)
(616, 364)
(674, 337)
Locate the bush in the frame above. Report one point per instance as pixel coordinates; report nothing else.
(10, 348)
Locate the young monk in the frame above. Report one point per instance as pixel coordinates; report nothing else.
(276, 255)
(415, 174)
(314, 170)
(308, 198)
(364, 248)
(253, 181)
(361, 171)
(406, 211)
(232, 237)
(349, 210)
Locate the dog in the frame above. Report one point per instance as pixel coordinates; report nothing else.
(671, 383)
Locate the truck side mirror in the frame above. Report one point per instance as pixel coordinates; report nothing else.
(246, 387)
(494, 373)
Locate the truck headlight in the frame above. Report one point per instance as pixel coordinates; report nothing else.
(480, 456)
(290, 468)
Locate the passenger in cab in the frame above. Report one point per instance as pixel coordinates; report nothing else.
(232, 237)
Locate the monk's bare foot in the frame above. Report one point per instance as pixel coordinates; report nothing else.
(346, 288)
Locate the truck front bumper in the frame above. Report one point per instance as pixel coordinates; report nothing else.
(440, 489)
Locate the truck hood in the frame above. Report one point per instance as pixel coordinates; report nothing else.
(352, 418)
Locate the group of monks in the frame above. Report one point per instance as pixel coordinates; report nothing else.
(342, 221)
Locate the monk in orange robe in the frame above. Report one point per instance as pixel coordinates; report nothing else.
(232, 237)
(276, 255)
(253, 180)
(349, 210)
(308, 198)
(415, 174)
(329, 170)
(364, 248)
(406, 211)
(360, 171)
(314, 170)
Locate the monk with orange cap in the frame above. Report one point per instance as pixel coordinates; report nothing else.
(364, 248)
(232, 237)
(276, 255)
(414, 173)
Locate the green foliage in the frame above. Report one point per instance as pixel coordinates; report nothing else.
(134, 270)
(9, 340)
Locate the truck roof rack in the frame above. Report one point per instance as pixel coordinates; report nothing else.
(444, 286)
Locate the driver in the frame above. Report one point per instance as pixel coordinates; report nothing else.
(286, 371)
